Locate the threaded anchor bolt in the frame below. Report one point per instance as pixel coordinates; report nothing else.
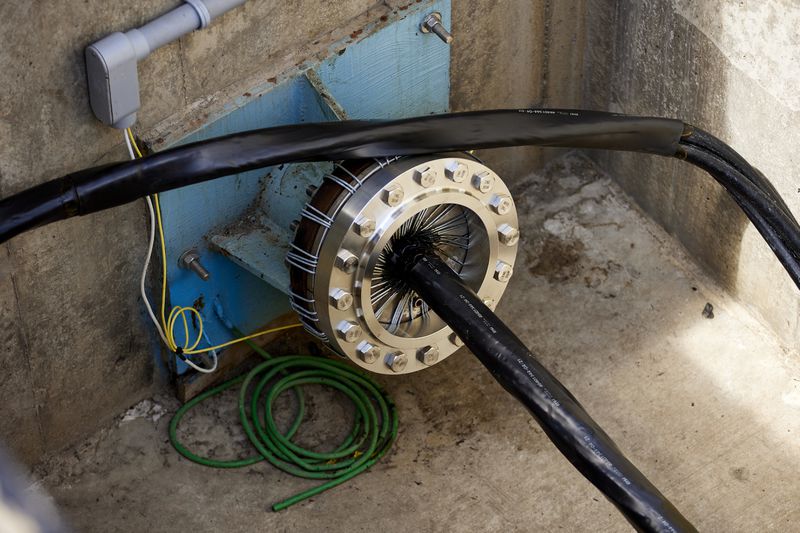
(190, 260)
(432, 23)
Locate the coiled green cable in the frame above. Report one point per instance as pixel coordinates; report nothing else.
(373, 433)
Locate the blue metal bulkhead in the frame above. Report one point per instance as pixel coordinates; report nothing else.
(240, 224)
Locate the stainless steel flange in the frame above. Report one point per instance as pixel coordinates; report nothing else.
(339, 286)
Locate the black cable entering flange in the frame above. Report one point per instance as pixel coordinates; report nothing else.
(582, 441)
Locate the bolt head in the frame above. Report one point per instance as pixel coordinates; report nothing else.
(425, 177)
(503, 271)
(364, 226)
(346, 262)
(393, 195)
(397, 361)
(456, 340)
(431, 20)
(483, 181)
(341, 299)
(348, 331)
(428, 355)
(367, 352)
(508, 234)
(187, 258)
(501, 204)
(456, 171)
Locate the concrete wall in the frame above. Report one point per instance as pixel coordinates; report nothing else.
(728, 67)
(514, 54)
(74, 346)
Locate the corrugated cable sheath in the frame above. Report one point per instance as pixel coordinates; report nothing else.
(101, 188)
(582, 441)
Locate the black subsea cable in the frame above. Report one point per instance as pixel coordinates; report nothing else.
(784, 253)
(582, 441)
(702, 139)
(737, 183)
(780, 232)
(101, 188)
(726, 166)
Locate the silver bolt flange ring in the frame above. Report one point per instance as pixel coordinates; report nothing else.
(469, 231)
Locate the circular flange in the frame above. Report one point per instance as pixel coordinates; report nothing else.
(339, 287)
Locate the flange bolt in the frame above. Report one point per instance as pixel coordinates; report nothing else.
(456, 171)
(501, 204)
(508, 234)
(397, 361)
(503, 271)
(348, 331)
(393, 195)
(364, 226)
(483, 181)
(341, 299)
(346, 262)
(367, 352)
(428, 355)
(425, 177)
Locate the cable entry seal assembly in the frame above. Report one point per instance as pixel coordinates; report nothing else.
(566, 423)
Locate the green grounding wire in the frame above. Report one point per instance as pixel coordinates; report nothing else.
(372, 435)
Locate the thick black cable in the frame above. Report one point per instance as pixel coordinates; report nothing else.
(780, 232)
(101, 188)
(784, 253)
(582, 441)
(702, 139)
(722, 161)
(736, 183)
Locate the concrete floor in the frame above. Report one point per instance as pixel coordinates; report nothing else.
(709, 409)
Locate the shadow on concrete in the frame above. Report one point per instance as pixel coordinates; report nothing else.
(654, 62)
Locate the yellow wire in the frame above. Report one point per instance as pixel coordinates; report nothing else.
(133, 142)
(168, 324)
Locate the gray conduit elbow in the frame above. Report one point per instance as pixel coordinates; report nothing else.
(111, 62)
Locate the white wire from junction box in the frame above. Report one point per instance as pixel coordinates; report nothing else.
(143, 291)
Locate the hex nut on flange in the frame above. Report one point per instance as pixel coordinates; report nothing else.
(346, 262)
(392, 195)
(364, 226)
(348, 331)
(425, 177)
(508, 234)
(456, 340)
(503, 271)
(428, 355)
(456, 171)
(341, 299)
(501, 204)
(367, 352)
(483, 181)
(397, 361)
